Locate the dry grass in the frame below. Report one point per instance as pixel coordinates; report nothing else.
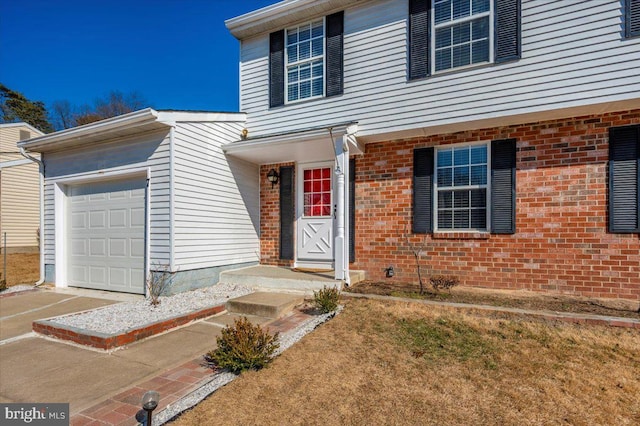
(403, 363)
(22, 268)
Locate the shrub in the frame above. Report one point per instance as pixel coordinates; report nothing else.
(243, 346)
(443, 282)
(158, 283)
(326, 300)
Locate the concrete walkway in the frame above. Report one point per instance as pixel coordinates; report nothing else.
(102, 388)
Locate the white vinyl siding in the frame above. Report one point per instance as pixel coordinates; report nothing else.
(216, 199)
(145, 151)
(572, 56)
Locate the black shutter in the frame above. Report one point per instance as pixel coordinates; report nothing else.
(632, 21)
(507, 30)
(419, 23)
(352, 210)
(334, 39)
(624, 179)
(503, 186)
(422, 190)
(286, 212)
(276, 68)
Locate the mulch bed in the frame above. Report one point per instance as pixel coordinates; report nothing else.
(510, 299)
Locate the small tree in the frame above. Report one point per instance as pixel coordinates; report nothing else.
(158, 283)
(417, 249)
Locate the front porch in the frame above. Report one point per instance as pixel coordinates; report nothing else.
(283, 278)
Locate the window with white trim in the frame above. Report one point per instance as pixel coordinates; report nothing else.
(463, 33)
(461, 188)
(304, 61)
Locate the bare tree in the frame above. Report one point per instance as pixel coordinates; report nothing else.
(417, 249)
(62, 115)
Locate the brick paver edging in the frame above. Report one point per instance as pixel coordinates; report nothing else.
(15, 293)
(587, 319)
(50, 327)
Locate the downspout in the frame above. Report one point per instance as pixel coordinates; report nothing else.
(41, 172)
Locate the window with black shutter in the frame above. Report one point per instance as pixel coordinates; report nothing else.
(632, 18)
(467, 187)
(306, 61)
(449, 34)
(624, 179)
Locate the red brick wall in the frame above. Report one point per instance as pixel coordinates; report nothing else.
(561, 242)
(270, 218)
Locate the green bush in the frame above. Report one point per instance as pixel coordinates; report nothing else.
(326, 300)
(443, 282)
(243, 346)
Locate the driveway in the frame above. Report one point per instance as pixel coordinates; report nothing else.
(35, 369)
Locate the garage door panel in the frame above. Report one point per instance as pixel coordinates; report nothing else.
(118, 247)
(137, 247)
(78, 220)
(97, 247)
(107, 235)
(97, 219)
(118, 218)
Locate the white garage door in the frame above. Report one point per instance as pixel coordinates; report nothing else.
(106, 235)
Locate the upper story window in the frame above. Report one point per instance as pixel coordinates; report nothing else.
(462, 33)
(453, 34)
(305, 61)
(461, 187)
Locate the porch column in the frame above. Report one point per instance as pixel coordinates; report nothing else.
(342, 206)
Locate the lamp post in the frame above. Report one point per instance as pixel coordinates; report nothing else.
(150, 403)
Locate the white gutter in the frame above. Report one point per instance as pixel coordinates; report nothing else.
(41, 170)
(121, 122)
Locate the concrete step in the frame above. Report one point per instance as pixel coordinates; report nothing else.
(264, 304)
(284, 279)
(228, 318)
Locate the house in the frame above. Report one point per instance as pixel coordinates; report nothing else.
(19, 191)
(502, 134)
(148, 191)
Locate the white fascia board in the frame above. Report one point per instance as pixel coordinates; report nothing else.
(21, 124)
(281, 14)
(309, 145)
(201, 116)
(70, 137)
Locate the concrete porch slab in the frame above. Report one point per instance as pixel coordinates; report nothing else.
(285, 279)
(264, 304)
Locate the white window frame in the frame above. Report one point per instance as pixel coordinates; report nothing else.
(435, 27)
(436, 189)
(310, 60)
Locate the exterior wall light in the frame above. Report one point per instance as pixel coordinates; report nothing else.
(389, 272)
(273, 177)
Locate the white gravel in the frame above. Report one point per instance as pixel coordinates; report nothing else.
(125, 316)
(13, 289)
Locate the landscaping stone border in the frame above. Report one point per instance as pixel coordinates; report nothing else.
(49, 327)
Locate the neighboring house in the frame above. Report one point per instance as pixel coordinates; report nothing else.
(504, 134)
(147, 191)
(19, 191)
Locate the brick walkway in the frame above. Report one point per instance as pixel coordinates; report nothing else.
(172, 385)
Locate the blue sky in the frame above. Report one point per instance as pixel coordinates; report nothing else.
(176, 53)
